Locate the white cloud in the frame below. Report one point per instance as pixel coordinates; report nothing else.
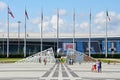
(100, 22)
(62, 12)
(84, 25)
(1, 29)
(54, 21)
(13, 25)
(49, 24)
(0, 23)
(100, 18)
(45, 25)
(2, 5)
(35, 20)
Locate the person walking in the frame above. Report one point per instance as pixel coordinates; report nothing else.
(99, 66)
(39, 59)
(45, 61)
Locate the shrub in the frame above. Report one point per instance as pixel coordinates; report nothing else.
(103, 55)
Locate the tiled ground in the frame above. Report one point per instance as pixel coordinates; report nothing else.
(35, 71)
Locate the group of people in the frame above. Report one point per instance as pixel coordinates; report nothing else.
(45, 60)
(97, 67)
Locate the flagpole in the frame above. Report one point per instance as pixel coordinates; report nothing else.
(3, 44)
(57, 29)
(18, 35)
(106, 37)
(74, 29)
(90, 36)
(25, 39)
(8, 35)
(41, 29)
(9, 12)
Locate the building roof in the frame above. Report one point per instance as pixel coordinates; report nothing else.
(53, 35)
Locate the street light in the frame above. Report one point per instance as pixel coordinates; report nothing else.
(18, 35)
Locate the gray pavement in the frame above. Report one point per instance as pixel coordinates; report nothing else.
(36, 71)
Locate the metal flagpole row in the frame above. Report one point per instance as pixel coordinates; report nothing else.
(26, 17)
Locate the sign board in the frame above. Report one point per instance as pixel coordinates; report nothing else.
(69, 46)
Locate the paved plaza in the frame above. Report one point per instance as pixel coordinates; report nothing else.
(37, 71)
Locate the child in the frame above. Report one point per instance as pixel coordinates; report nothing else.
(93, 68)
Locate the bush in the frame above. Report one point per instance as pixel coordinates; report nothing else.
(98, 55)
(3, 55)
(16, 55)
(103, 55)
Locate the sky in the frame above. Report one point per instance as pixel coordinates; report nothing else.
(66, 9)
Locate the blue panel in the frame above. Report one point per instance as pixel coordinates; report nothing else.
(80, 47)
(118, 47)
(103, 47)
(109, 46)
(93, 51)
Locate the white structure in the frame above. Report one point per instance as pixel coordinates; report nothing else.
(39, 57)
(77, 56)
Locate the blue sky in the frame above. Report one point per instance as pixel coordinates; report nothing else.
(82, 10)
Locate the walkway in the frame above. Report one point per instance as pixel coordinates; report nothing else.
(35, 71)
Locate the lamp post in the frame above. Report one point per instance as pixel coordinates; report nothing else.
(18, 35)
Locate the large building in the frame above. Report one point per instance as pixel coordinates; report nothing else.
(33, 42)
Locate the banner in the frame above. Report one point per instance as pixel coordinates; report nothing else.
(69, 46)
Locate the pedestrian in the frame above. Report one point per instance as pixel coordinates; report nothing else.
(45, 61)
(71, 61)
(99, 66)
(39, 59)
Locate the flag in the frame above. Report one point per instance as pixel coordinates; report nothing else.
(107, 15)
(26, 15)
(10, 12)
